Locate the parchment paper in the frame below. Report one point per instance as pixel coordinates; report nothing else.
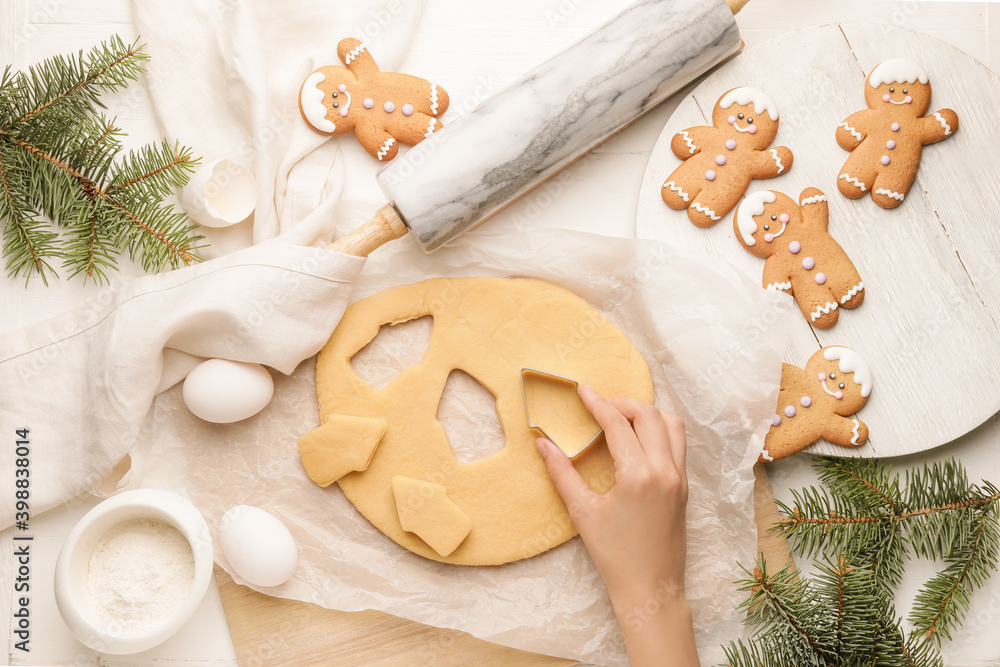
(713, 340)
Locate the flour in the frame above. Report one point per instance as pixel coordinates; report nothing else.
(140, 574)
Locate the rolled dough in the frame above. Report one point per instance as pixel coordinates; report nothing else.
(490, 328)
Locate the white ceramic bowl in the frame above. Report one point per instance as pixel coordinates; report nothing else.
(73, 565)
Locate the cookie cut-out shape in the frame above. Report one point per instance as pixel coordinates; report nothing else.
(803, 260)
(887, 139)
(720, 161)
(820, 402)
(383, 108)
(425, 509)
(343, 444)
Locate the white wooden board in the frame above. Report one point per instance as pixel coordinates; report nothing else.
(930, 323)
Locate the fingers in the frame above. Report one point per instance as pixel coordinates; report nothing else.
(661, 434)
(571, 486)
(622, 441)
(650, 430)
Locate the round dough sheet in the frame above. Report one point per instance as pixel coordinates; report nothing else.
(490, 328)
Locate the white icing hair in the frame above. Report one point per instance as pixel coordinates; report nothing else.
(746, 95)
(849, 361)
(897, 70)
(751, 206)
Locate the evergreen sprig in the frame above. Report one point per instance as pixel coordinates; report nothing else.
(861, 525)
(64, 194)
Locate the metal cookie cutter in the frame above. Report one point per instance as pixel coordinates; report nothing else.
(572, 450)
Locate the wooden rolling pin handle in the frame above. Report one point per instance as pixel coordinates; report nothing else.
(384, 227)
(736, 5)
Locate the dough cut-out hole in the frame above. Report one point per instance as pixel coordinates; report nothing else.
(395, 348)
(554, 406)
(468, 413)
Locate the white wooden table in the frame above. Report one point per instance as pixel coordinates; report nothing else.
(597, 195)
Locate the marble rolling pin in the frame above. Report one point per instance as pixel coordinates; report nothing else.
(523, 135)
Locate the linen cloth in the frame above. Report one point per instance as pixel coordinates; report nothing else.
(83, 382)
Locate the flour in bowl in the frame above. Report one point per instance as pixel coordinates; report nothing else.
(140, 574)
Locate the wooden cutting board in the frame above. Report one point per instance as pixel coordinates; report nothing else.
(268, 631)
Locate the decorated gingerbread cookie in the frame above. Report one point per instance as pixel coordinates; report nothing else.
(819, 402)
(720, 161)
(886, 139)
(802, 258)
(383, 108)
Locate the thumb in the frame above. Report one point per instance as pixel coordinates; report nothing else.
(571, 486)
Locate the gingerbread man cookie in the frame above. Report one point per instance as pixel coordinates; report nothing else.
(802, 258)
(886, 139)
(720, 161)
(819, 402)
(383, 108)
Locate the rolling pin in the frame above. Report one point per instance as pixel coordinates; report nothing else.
(517, 139)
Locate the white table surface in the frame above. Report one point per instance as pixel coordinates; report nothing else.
(597, 195)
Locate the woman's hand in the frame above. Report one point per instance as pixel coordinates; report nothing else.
(636, 532)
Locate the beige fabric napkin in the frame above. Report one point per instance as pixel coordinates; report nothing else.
(83, 382)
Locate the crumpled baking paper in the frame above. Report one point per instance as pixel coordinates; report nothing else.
(713, 341)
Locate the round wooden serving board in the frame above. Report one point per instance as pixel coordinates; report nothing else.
(930, 323)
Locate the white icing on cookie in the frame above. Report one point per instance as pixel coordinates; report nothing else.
(707, 211)
(851, 293)
(745, 95)
(312, 103)
(897, 70)
(827, 389)
(856, 182)
(354, 53)
(944, 123)
(898, 196)
(676, 188)
(382, 152)
(779, 286)
(777, 161)
(857, 427)
(430, 128)
(823, 310)
(687, 140)
(815, 199)
(434, 99)
(766, 455)
(751, 206)
(854, 133)
(849, 361)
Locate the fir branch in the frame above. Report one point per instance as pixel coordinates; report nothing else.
(784, 606)
(943, 602)
(60, 162)
(26, 244)
(107, 68)
(865, 523)
(162, 169)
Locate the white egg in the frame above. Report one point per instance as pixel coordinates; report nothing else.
(223, 391)
(258, 546)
